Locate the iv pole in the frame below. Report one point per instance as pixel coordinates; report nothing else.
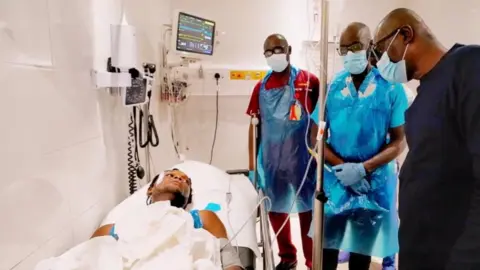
(320, 195)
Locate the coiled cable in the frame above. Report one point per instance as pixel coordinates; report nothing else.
(131, 164)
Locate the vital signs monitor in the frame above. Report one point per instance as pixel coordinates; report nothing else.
(193, 36)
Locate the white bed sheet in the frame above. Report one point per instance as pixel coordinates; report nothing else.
(210, 185)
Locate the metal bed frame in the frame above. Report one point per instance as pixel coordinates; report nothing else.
(247, 256)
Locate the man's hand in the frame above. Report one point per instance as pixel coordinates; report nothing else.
(361, 187)
(349, 173)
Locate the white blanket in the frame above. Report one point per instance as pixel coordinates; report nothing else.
(157, 237)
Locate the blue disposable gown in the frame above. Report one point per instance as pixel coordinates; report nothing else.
(283, 156)
(358, 123)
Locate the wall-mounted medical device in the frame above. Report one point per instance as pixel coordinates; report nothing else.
(123, 46)
(192, 40)
(193, 37)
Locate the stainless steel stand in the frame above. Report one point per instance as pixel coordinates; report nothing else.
(265, 242)
(320, 196)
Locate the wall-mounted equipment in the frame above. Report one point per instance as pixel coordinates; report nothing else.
(193, 37)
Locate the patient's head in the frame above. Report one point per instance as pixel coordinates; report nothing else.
(175, 187)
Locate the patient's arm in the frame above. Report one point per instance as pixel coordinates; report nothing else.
(212, 224)
(103, 231)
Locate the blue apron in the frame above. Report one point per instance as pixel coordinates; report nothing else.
(358, 128)
(283, 155)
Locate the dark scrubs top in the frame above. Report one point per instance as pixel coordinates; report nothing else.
(439, 200)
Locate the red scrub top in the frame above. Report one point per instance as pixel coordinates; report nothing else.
(278, 80)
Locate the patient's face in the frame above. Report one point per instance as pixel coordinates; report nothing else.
(177, 181)
(174, 182)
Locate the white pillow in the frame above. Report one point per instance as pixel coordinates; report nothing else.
(204, 177)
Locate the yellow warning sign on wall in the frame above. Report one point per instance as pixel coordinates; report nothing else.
(247, 74)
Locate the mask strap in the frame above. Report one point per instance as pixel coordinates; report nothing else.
(374, 54)
(393, 39)
(405, 52)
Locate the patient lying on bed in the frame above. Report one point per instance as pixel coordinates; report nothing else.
(176, 188)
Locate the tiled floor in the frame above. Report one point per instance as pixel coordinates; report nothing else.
(295, 225)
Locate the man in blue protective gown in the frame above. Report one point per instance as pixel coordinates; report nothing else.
(439, 205)
(388, 263)
(283, 101)
(364, 118)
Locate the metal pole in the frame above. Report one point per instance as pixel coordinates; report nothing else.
(320, 197)
(266, 242)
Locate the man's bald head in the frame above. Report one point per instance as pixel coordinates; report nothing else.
(401, 18)
(403, 35)
(275, 40)
(356, 32)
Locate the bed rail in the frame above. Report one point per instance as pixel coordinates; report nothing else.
(265, 242)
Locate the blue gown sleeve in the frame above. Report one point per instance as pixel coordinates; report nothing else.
(467, 90)
(399, 105)
(314, 115)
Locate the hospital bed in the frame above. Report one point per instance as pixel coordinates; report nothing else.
(211, 185)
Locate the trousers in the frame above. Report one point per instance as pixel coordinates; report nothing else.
(287, 250)
(356, 261)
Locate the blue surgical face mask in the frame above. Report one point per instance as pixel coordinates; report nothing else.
(393, 72)
(355, 63)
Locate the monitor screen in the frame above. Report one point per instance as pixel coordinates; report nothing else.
(195, 35)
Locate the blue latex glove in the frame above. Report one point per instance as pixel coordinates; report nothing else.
(349, 173)
(361, 187)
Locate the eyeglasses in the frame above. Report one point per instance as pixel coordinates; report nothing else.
(275, 50)
(355, 47)
(379, 46)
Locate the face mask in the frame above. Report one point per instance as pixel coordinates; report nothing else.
(178, 200)
(277, 62)
(393, 72)
(355, 63)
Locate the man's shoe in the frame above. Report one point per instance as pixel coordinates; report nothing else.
(286, 266)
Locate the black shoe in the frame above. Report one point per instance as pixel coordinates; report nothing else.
(286, 266)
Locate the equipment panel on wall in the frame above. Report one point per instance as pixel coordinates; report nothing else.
(247, 74)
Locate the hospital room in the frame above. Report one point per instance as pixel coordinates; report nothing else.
(254, 134)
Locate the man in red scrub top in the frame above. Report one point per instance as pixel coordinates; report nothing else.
(283, 101)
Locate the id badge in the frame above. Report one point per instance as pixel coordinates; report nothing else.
(295, 112)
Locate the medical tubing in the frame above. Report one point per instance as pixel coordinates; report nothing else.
(152, 133)
(171, 118)
(254, 212)
(132, 170)
(217, 76)
(296, 197)
(229, 200)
